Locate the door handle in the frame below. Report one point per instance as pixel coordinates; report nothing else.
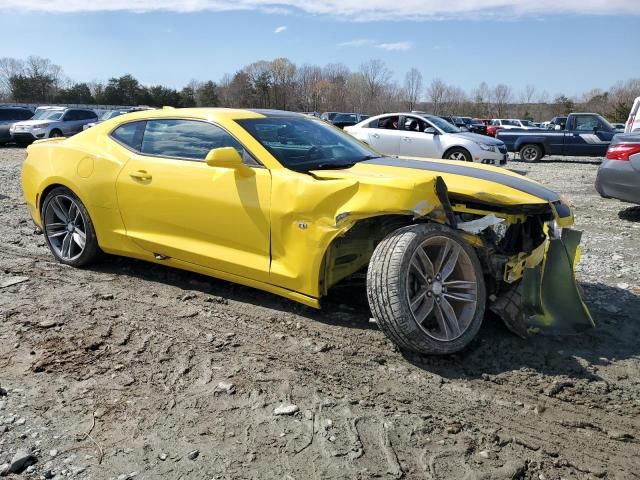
(406, 139)
(140, 175)
(375, 135)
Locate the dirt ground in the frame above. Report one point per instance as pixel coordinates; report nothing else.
(131, 370)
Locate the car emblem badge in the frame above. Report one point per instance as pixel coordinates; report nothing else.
(302, 225)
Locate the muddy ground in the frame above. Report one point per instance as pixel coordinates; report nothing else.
(130, 370)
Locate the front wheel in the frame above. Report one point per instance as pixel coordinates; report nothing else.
(68, 229)
(459, 154)
(531, 153)
(426, 289)
(55, 134)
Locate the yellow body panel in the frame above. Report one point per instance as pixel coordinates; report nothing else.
(270, 228)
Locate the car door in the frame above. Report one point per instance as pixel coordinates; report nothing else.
(588, 137)
(385, 138)
(415, 142)
(68, 121)
(173, 204)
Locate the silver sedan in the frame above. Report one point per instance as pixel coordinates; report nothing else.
(619, 173)
(427, 136)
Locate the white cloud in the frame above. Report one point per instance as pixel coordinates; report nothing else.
(361, 42)
(355, 10)
(396, 46)
(280, 29)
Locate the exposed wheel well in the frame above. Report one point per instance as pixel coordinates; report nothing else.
(352, 251)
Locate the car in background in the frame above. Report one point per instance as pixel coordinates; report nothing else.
(455, 121)
(427, 136)
(9, 116)
(618, 126)
(633, 122)
(475, 125)
(557, 123)
(584, 135)
(619, 173)
(52, 122)
(109, 114)
(342, 120)
(328, 116)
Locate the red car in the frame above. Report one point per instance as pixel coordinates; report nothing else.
(491, 128)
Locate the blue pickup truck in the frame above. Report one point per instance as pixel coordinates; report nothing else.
(583, 135)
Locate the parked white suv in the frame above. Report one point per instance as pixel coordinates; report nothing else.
(633, 122)
(427, 136)
(52, 122)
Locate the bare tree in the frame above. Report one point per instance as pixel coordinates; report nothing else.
(502, 97)
(376, 75)
(412, 87)
(436, 93)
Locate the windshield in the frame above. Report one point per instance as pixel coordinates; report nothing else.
(527, 123)
(43, 114)
(513, 123)
(304, 144)
(345, 117)
(51, 115)
(110, 114)
(442, 124)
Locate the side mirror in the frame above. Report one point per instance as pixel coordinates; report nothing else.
(431, 131)
(225, 157)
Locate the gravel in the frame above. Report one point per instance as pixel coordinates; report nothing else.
(107, 368)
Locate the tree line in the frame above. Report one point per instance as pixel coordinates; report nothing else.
(282, 84)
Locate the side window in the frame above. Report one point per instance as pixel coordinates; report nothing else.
(90, 115)
(70, 115)
(371, 124)
(5, 114)
(188, 139)
(586, 123)
(390, 123)
(129, 134)
(24, 114)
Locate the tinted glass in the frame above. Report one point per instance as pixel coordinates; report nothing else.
(24, 114)
(303, 144)
(185, 139)
(129, 134)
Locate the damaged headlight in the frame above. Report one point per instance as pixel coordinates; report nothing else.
(480, 224)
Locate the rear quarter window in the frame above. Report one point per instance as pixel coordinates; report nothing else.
(130, 135)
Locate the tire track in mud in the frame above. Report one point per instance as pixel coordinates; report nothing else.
(385, 388)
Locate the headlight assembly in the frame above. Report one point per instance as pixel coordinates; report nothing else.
(486, 147)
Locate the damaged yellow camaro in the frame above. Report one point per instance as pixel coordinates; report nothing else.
(288, 204)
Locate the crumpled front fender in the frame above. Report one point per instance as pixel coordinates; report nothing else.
(547, 299)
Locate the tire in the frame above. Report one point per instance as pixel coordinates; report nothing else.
(68, 229)
(55, 133)
(393, 278)
(459, 154)
(531, 153)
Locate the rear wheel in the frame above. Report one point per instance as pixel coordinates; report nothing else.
(459, 154)
(426, 289)
(531, 153)
(68, 229)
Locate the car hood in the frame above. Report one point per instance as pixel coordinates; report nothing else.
(476, 137)
(482, 183)
(33, 123)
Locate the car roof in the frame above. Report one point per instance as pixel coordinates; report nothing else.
(212, 113)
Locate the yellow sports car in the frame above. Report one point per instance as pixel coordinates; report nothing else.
(291, 205)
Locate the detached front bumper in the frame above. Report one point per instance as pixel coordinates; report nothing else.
(547, 299)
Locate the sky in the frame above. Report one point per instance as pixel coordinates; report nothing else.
(567, 46)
